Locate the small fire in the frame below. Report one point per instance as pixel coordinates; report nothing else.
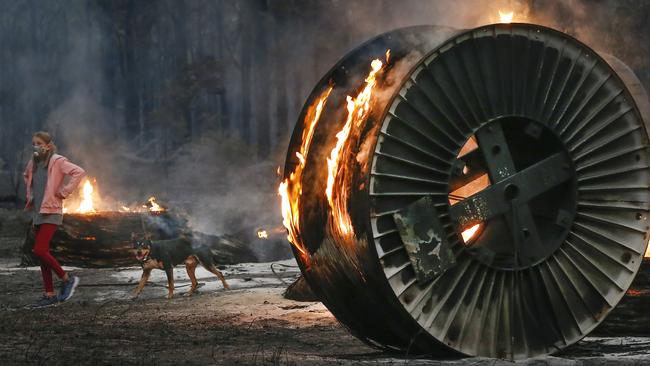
(469, 233)
(338, 177)
(506, 17)
(154, 206)
(262, 234)
(87, 205)
(88, 201)
(290, 189)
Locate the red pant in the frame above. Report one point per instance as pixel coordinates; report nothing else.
(44, 233)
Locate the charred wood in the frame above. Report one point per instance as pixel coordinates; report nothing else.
(105, 239)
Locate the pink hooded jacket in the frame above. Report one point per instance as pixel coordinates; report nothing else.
(55, 191)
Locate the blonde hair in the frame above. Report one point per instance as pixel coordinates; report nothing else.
(47, 138)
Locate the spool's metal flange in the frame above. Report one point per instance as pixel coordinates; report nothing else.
(566, 212)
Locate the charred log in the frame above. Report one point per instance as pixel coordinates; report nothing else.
(105, 239)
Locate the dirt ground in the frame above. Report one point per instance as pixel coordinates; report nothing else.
(251, 324)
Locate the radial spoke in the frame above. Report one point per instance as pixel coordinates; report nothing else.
(552, 80)
(479, 290)
(584, 102)
(414, 148)
(552, 107)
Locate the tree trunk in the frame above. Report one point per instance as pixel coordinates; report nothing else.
(223, 110)
(262, 120)
(282, 125)
(246, 49)
(132, 97)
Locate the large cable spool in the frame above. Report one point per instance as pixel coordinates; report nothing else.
(516, 131)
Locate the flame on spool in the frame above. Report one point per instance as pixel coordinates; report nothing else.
(290, 190)
(340, 157)
(468, 234)
(506, 17)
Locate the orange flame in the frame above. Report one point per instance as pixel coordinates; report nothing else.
(290, 189)
(262, 234)
(358, 111)
(88, 201)
(154, 206)
(469, 233)
(506, 17)
(87, 204)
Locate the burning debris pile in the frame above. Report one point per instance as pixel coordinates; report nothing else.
(97, 232)
(432, 195)
(88, 201)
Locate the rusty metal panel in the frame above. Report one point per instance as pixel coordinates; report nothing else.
(424, 239)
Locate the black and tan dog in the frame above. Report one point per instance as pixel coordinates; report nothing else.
(165, 254)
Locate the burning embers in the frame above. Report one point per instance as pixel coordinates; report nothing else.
(262, 234)
(88, 201)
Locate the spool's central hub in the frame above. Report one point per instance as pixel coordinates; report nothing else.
(527, 201)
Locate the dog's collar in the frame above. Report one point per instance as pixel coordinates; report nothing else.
(144, 259)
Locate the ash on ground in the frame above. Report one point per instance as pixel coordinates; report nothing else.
(251, 324)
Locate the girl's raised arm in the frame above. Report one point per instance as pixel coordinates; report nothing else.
(75, 172)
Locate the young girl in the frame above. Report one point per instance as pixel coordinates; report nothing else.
(44, 180)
